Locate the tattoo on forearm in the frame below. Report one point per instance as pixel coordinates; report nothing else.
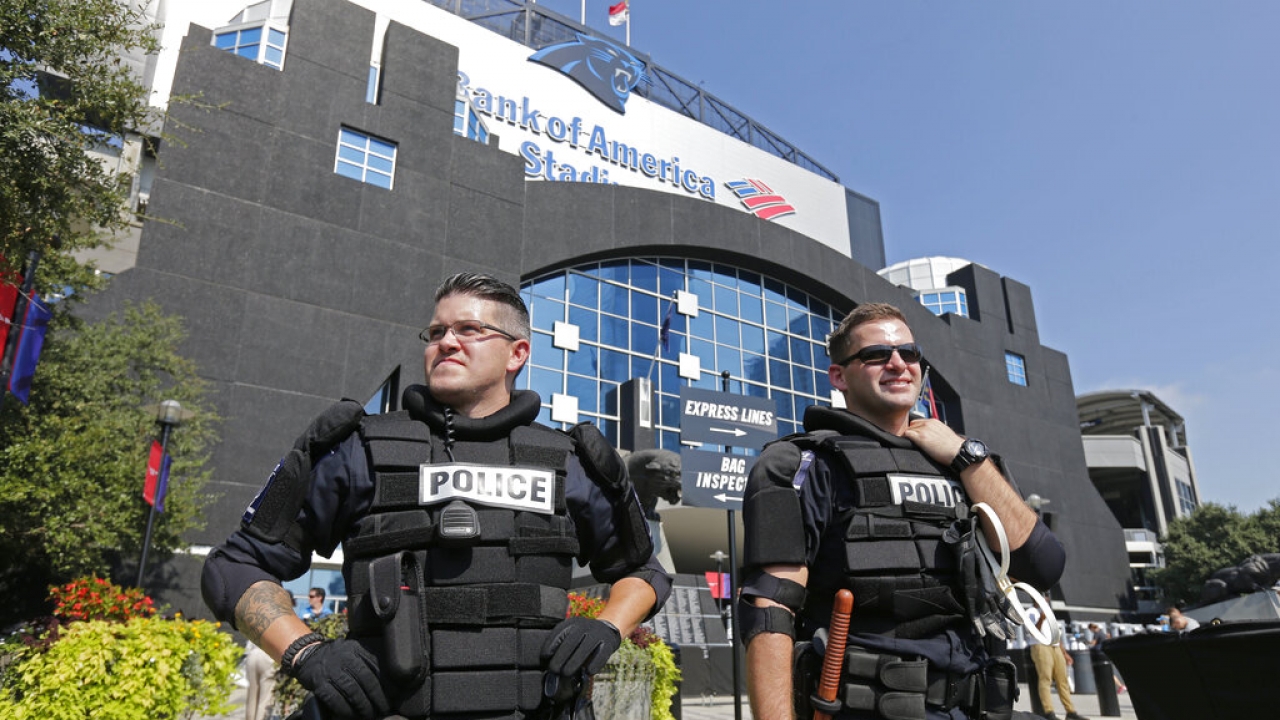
(260, 606)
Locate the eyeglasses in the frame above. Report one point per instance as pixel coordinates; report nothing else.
(314, 597)
(880, 354)
(463, 330)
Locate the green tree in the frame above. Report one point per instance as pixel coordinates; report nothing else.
(1210, 539)
(65, 91)
(72, 463)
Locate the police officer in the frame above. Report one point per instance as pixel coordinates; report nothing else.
(459, 519)
(876, 501)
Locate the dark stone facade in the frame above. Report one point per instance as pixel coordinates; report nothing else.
(300, 286)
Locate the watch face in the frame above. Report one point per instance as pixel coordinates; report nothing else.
(976, 448)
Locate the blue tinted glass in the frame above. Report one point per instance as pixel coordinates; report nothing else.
(225, 41)
(725, 275)
(775, 316)
(614, 365)
(586, 321)
(670, 278)
(644, 308)
(248, 51)
(775, 290)
(382, 148)
(583, 361)
(275, 37)
(544, 417)
(644, 339)
(676, 344)
(786, 410)
(375, 178)
(778, 346)
(545, 354)
(797, 320)
(613, 299)
(802, 378)
(706, 381)
(349, 170)
(273, 56)
(752, 338)
(640, 366)
(702, 326)
(700, 270)
(755, 390)
(545, 312)
(702, 289)
(819, 328)
(609, 428)
(753, 368)
(670, 441)
(801, 351)
(550, 287)
(669, 410)
(355, 156)
(644, 276)
(614, 270)
(667, 376)
(585, 390)
(727, 331)
(726, 300)
(613, 331)
(779, 374)
(251, 35)
(749, 283)
(380, 164)
(822, 386)
(584, 290)
(728, 359)
(797, 298)
(545, 382)
(348, 137)
(609, 391)
(817, 307)
(801, 403)
(705, 351)
(751, 309)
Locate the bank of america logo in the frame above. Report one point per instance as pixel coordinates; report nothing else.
(760, 199)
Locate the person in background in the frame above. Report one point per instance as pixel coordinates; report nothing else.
(260, 671)
(316, 608)
(1051, 668)
(1179, 622)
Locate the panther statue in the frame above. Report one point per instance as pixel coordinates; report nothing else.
(656, 474)
(1257, 572)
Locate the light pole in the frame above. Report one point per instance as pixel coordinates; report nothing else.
(719, 557)
(169, 417)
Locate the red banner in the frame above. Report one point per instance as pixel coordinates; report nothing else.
(153, 473)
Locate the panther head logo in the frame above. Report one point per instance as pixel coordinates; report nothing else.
(605, 70)
(656, 474)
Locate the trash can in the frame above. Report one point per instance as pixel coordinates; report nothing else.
(1082, 671)
(1108, 699)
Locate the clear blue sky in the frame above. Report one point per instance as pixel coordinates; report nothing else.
(1120, 158)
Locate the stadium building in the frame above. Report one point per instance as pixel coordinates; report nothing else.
(333, 160)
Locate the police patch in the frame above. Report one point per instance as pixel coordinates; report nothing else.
(495, 485)
(929, 489)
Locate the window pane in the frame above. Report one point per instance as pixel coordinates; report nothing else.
(726, 300)
(248, 51)
(380, 164)
(586, 321)
(382, 148)
(775, 316)
(250, 35)
(349, 170)
(644, 276)
(751, 309)
(614, 270)
(225, 41)
(800, 351)
(778, 346)
(583, 290)
(585, 390)
(274, 56)
(706, 353)
(355, 156)
(544, 382)
(544, 353)
(583, 362)
(613, 331)
(644, 308)
(752, 338)
(728, 359)
(614, 365)
(644, 339)
(753, 367)
(545, 312)
(275, 37)
(702, 326)
(780, 373)
(375, 178)
(802, 378)
(613, 299)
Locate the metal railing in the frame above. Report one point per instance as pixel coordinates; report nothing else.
(536, 27)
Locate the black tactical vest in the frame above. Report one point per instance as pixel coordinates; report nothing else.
(891, 538)
(459, 595)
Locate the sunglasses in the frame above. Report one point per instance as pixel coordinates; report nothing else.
(880, 354)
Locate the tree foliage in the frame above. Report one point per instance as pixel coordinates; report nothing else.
(64, 91)
(1210, 539)
(73, 462)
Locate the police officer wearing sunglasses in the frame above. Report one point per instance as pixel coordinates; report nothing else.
(459, 518)
(875, 500)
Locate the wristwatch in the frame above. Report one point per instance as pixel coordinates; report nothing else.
(971, 452)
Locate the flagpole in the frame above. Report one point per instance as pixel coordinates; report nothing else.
(628, 24)
(666, 321)
(583, 17)
(170, 416)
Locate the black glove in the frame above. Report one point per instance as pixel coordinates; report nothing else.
(579, 644)
(343, 675)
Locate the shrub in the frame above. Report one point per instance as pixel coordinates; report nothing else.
(142, 669)
(93, 598)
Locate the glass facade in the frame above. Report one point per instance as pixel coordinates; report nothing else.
(623, 317)
(467, 123)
